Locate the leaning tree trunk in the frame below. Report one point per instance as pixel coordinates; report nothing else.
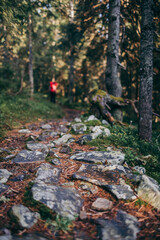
(31, 79)
(113, 83)
(146, 71)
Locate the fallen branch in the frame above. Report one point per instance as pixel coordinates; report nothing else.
(156, 114)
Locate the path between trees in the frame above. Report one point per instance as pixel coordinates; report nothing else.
(54, 186)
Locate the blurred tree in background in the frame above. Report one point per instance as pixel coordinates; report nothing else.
(70, 41)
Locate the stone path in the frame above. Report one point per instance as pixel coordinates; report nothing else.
(78, 184)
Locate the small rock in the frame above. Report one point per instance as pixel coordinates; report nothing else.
(79, 128)
(55, 161)
(4, 175)
(18, 178)
(25, 217)
(50, 145)
(51, 153)
(53, 134)
(9, 157)
(140, 170)
(102, 204)
(24, 131)
(3, 187)
(105, 122)
(46, 126)
(84, 139)
(100, 130)
(65, 149)
(63, 129)
(91, 118)
(77, 120)
(37, 146)
(4, 199)
(63, 139)
(71, 140)
(83, 215)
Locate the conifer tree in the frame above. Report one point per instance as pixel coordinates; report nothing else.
(146, 71)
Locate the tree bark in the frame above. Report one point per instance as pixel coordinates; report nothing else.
(71, 69)
(31, 79)
(113, 83)
(146, 71)
(71, 76)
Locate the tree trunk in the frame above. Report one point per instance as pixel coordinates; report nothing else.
(113, 83)
(31, 79)
(146, 71)
(71, 69)
(71, 76)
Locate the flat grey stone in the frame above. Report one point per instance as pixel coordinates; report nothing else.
(109, 157)
(46, 126)
(53, 134)
(64, 139)
(24, 131)
(123, 192)
(98, 174)
(102, 204)
(46, 173)
(25, 217)
(4, 175)
(64, 201)
(149, 191)
(37, 146)
(79, 128)
(124, 227)
(55, 161)
(3, 187)
(26, 156)
(104, 177)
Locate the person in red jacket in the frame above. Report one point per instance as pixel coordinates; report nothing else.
(53, 88)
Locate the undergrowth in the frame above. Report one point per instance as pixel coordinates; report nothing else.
(17, 110)
(137, 151)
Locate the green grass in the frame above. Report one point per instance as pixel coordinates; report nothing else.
(17, 110)
(137, 151)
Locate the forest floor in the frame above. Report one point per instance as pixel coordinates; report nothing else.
(148, 217)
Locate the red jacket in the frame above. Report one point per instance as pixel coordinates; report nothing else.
(53, 86)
